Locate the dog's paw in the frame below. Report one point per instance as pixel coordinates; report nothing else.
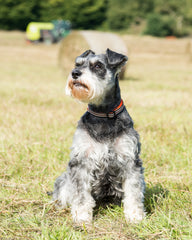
(134, 215)
(82, 215)
(82, 220)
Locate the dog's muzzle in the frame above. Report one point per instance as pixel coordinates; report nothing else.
(78, 88)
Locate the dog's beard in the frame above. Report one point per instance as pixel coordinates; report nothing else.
(87, 88)
(79, 89)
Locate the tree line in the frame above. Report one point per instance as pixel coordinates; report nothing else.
(161, 17)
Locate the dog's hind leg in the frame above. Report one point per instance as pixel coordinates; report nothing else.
(63, 191)
(72, 189)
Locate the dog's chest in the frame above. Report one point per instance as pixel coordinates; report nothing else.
(114, 155)
(106, 163)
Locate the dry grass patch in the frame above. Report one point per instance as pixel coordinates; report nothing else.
(37, 122)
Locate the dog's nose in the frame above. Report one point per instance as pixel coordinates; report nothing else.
(76, 73)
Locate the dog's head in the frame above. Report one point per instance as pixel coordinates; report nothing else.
(94, 75)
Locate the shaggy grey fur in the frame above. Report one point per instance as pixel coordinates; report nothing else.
(104, 162)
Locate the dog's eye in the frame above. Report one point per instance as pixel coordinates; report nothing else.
(98, 65)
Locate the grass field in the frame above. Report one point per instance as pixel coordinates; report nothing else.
(37, 122)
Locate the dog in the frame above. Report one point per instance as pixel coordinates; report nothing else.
(104, 162)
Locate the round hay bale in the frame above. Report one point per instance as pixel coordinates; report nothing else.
(78, 42)
(71, 47)
(188, 49)
(100, 41)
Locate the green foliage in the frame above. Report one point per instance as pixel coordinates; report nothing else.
(82, 13)
(164, 25)
(171, 17)
(188, 15)
(175, 15)
(121, 13)
(169, 7)
(16, 14)
(158, 25)
(52, 9)
(85, 13)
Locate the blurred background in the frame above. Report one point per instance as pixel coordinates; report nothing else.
(39, 41)
(158, 18)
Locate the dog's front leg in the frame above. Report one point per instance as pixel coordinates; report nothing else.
(82, 203)
(133, 188)
(82, 211)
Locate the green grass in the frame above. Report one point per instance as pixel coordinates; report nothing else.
(37, 122)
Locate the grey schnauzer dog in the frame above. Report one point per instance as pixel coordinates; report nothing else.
(104, 161)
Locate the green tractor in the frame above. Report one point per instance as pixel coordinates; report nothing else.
(48, 32)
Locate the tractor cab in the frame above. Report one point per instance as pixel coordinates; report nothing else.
(48, 32)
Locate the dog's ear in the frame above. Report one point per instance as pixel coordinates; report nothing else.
(86, 53)
(116, 60)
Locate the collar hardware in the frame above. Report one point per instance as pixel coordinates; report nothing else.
(111, 114)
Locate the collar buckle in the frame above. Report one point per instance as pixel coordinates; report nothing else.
(111, 114)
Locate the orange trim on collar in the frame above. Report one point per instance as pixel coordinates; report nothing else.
(111, 114)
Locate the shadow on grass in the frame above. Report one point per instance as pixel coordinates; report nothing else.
(154, 195)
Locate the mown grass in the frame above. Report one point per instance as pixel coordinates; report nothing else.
(37, 122)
